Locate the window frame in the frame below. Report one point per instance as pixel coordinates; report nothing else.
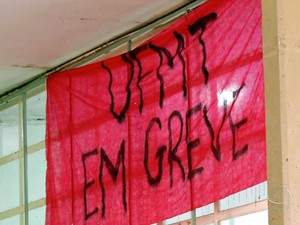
(21, 155)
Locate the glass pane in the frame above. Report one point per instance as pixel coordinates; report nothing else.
(36, 118)
(11, 221)
(260, 218)
(37, 216)
(36, 175)
(179, 218)
(205, 210)
(9, 186)
(247, 196)
(9, 131)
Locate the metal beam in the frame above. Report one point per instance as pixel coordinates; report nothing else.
(25, 159)
(193, 217)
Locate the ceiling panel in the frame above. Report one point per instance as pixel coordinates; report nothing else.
(38, 35)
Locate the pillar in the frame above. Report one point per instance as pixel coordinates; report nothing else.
(281, 46)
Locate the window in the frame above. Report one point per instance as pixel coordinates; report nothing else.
(246, 207)
(22, 160)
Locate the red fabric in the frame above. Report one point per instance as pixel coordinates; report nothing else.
(168, 127)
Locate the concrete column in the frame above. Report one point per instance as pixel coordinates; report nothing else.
(281, 40)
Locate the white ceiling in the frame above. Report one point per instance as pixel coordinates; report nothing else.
(36, 35)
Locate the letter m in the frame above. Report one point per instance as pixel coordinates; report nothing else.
(113, 171)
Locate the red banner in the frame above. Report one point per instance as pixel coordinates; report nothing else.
(173, 125)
